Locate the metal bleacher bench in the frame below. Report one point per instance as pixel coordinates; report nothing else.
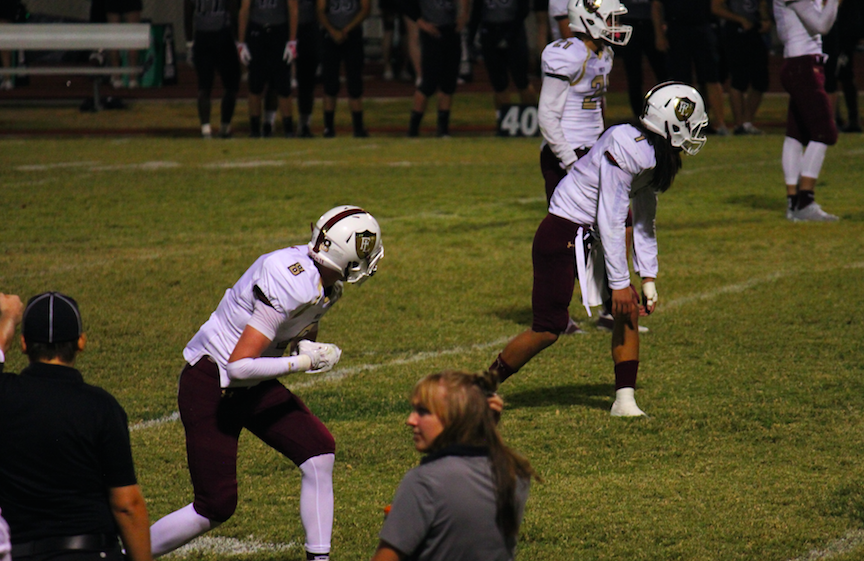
(74, 37)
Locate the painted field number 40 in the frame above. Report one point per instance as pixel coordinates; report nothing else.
(518, 120)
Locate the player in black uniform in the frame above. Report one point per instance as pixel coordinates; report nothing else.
(268, 45)
(505, 48)
(440, 23)
(211, 26)
(342, 41)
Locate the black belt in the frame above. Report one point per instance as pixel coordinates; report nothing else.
(85, 542)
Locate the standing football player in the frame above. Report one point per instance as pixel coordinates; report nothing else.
(230, 381)
(810, 127)
(575, 77)
(210, 25)
(629, 162)
(267, 45)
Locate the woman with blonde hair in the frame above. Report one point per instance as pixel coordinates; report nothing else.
(466, 498)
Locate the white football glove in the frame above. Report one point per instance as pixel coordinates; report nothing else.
(290, 53)
(324, 356)
(649, 296)
(244, 54)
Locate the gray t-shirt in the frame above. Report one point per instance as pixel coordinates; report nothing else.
(444, 510)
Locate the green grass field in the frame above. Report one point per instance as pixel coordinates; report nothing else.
(752, 372)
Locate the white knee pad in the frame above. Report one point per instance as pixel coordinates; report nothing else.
(793, 152)
(316, 502)
(814, 155)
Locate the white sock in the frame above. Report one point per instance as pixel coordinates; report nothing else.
(625, 404)
(177, 529)
(205, 130)
(316, 502)
(793, 152)
(814, 155)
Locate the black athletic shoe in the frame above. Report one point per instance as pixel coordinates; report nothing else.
(329, 133)
(362, 133)
(266, 130)
(306, 133)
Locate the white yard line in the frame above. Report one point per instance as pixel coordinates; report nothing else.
(851, 540)
(232, 546)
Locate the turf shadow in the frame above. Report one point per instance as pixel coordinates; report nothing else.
(596, 396)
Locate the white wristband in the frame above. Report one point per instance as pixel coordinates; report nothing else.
(2, 357)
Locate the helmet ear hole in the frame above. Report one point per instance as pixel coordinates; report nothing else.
(676, 128)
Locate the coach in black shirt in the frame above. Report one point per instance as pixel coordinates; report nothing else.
(67, 481)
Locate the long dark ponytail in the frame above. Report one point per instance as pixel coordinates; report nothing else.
(668, 159)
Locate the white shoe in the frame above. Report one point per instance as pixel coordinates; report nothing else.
(625, 404)
(750, 129)
(117, 83)
(813, 213)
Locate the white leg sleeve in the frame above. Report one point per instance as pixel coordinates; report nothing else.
(814, 155)
(316, 502)
(793, 152)
(177, 529)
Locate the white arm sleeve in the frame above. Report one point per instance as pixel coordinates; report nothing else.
(2, 357)
(613, 204)
(250, 371)
(553, 97)
(816, 21)
(644, 233)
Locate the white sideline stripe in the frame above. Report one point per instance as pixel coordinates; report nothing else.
(175, 416)
(741, 287)
(58, 165)
(242, 165)
(144, 166)
(851, 540)
(231, 546)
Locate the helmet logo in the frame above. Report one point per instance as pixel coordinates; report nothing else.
(365, 243)
(591, 6)
(684, 108)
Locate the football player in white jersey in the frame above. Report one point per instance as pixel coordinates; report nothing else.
(230, 381)
(810, 127)
(628, 163)
(575, 76)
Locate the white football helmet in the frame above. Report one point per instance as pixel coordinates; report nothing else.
(676, 111)
(347, 239)
(599, 19)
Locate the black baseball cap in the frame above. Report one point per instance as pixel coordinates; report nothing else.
(51, 317)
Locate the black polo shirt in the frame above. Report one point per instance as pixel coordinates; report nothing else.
(63, 444)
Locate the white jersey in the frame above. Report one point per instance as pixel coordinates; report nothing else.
(801, 24)
(570, 111)
(598, 190)
(285, 280)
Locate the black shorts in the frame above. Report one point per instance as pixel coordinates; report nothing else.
(746, 57)
(215, 51)
(267, 45)
(691, 46)
(440, 61)
(351, 53)
(505, 52)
